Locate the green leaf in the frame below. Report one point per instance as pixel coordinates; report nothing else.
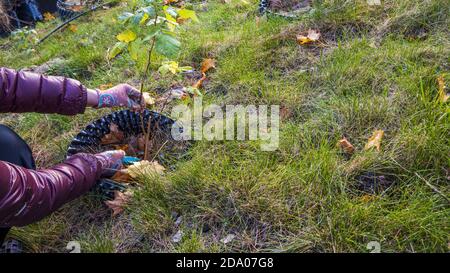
(116, 50)
(166, 45)
(125, 16)
(136, 49)
(127, 36)
(148, 10)
(170, 10)
(188, 14)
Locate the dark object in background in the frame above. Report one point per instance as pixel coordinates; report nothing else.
(373, 183)
(47, 6)
(21, 13)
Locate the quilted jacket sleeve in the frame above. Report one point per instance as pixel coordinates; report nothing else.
(27, 196)
(29, 92)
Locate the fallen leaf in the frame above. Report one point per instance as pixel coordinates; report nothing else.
(141, 143)
(48, 16)
(145, 168)
(207, 64)
(114, 137)
(311, 37)
(149, 100)
(76, 8)
(120, 201)
(375, 140)
(285, 113)
(199, 83)
(73, 27)
(167, 2)
(443, 96)
(105, 86)
(122, 176)
(366, 198)
(345, 145)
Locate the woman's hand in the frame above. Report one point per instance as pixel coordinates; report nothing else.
(111, 162)
(122, 95)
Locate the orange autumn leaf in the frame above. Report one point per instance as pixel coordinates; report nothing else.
(122, 176)
(207, 64)
(345, 145)
(121, 199)
(199, 83)
(167, 2)
(375, 140)
(443, 96)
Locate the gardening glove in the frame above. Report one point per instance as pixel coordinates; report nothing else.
(122, 95)
(111, 162)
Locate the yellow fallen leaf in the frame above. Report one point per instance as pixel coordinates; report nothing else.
(48, 16)
(207, 64)
(105, 86)
(443, 96)
(367, 198)
(375, 140)
(149, 100)
(311, 37)
(73, 28)
(120, 201)
(345, 145)
(145, 168)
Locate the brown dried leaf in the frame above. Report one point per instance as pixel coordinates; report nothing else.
(207, 64)
(114, 137)
(443, 96)
(120, 201)
(345, 145)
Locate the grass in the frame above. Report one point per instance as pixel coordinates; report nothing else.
(378, 70)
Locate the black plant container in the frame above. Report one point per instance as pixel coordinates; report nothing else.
(65, 11)
(129, 122)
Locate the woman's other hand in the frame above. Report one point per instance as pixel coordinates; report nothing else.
(111, 162)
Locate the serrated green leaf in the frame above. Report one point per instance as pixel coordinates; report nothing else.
(166, 45)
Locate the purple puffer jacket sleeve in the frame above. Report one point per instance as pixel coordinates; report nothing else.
(29, 92)
(27, 196)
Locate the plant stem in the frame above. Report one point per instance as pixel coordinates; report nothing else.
(143, 80)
